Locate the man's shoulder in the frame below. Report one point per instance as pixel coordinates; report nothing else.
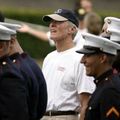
(8, 69)
(76, 55)
(51, 54)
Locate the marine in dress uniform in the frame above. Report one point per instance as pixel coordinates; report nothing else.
(99, 53)
(13, 102)
(36, 86)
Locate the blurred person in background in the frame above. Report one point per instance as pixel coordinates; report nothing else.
(81, 8)
(86, 5)
(89, 21)
(80, 13)
(93, 23)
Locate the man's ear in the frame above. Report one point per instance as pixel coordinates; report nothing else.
(72, 29)
(12, 41)
(103, 58)
(1, 46)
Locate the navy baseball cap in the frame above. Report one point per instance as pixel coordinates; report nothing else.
(62, 15)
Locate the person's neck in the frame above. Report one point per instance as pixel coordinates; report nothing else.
(103, 70)
(64, 45)
(16, 50)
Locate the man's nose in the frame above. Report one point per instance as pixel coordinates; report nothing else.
(82, 60)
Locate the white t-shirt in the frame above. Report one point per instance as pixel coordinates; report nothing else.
(66, 78)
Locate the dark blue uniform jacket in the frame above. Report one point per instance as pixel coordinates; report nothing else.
(36, 87)
(105, 101)
(13, 102)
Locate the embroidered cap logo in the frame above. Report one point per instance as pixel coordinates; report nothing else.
(58, 11)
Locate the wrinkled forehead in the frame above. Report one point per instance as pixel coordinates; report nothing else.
(60, 23)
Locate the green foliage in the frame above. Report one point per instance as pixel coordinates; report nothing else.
(31, 16)
(35, 47)
(105, 13)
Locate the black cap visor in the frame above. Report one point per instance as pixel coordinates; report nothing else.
(85, 51)
(89, 50)
(47, 19)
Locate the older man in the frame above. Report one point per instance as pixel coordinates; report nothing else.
(68, 92)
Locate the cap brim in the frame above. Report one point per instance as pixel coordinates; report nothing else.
(11, 26)
(5, 30)
(85, 51)
(56, 17)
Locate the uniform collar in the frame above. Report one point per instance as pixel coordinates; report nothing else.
(24, 55)
(14, 56)
(3, 57)
(103, 77)
(4, 60)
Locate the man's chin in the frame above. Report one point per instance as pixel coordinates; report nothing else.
(88, 73)
(52, 38)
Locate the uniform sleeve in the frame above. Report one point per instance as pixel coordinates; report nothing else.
(13, 101)
(85, 84)
(42, 95)
(110, 105)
